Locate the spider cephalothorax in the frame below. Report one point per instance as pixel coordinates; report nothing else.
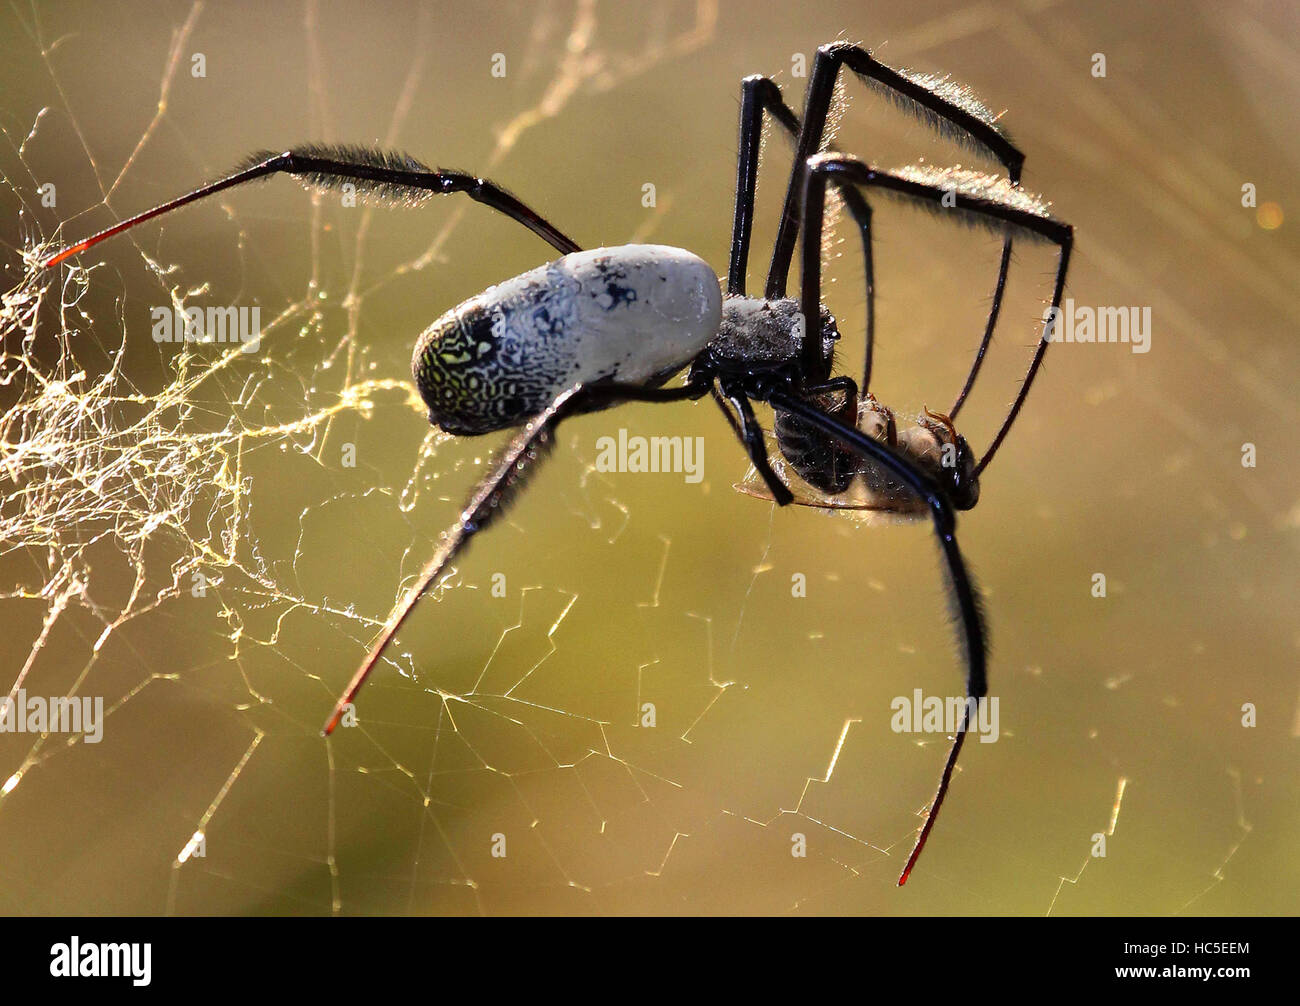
(595, 329)
(758, 336)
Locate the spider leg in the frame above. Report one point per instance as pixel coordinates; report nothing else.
(995, 308)
(390, 177)
(755, 447)
(758, 95)
(750, 432)
(964, 118)
(1008, 211)
(845, 384)
(485, 503)
(943, 107)
(726, 411)
(962, 590)
(490, 498)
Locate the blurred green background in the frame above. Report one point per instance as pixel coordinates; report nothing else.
(518, 715)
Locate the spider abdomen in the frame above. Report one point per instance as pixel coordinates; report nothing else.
(634, 314)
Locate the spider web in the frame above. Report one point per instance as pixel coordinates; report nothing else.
(132, 467)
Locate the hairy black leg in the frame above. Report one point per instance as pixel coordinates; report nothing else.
(962, 591)
(1022, 214)
(390, 177)
(995, 308)
(494, 493)
(964, 117)
(758, 95)
(1058, 289)
(813, 355)
(968, 120)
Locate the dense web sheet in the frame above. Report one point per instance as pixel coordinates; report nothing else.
(179, 536)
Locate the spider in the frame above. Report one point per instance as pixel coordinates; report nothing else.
(598, 328)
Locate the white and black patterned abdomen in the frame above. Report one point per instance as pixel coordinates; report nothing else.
(630, 313)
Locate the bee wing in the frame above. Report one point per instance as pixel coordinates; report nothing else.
(859, 502)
